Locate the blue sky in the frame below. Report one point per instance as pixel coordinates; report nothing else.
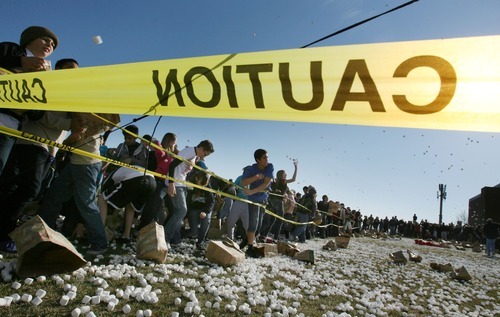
(381, 170)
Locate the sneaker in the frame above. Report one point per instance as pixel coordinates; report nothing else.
(269, 240)
(250, 253)
(243, 243)
(8, 246)
(169, 249)
(96, 251)
(199, 247)
(122, 240)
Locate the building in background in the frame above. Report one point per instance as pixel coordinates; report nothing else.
(485, 205)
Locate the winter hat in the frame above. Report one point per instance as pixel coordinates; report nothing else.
(34, 32)
(312, 190)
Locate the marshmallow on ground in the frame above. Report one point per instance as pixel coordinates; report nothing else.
(64, 300)
(85, 309)
(41, 279)
(28, 281)
(111, 306)
(36, 301)
(126, 309)
(41, 293)
(76, 312)
(26, 298)
(86, 299)
(96, 300)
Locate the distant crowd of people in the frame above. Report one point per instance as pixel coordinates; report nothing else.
(181, 194)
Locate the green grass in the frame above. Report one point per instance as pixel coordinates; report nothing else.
(361, 277)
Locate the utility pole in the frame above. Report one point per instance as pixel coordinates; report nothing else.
(441, 194)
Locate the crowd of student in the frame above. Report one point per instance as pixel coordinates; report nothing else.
(181, 195)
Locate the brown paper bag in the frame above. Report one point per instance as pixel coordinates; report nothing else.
(461, 274)
(305, 256)
(151, 244)
(330, 245)
(224, 253)
(44, 251)
(215, 233)
(398, 257)
(266, 249)
(286, 248)
(342, 241)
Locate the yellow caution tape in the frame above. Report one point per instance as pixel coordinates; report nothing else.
(446, 84)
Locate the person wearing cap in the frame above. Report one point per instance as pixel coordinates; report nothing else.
(36, 44)
(28, 166)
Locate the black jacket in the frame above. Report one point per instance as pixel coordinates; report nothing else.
(490, 230)
(10, 56)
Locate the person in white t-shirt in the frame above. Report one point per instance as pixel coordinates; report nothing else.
(177, 191)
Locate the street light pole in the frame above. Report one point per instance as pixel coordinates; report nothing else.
(441, 194)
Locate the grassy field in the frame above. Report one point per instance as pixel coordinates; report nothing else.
(358, 281)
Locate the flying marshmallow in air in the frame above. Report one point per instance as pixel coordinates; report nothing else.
(97, 39)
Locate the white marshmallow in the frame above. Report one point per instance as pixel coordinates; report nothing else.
(41, 293)
(86, 299)
(36, 301)
(28, 281)
(97, 39)
(126, 309)
(76, 312)
(26, 298)
(64, 300)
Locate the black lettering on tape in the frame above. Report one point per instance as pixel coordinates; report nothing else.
(318, 93)
(370, 95)
(448, 78)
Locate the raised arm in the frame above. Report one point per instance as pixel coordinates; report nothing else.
(294, 176)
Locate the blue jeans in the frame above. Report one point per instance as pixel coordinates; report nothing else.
(239, 210)
(265, 226)
(6, 144)
(79, 181)
(224, 211)
(490, 247)
(255, 215)
(278, 209)
(300, 230)
(195, 221)
(178, 212)
(152, 208)
(20, 183)
(392, 230)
